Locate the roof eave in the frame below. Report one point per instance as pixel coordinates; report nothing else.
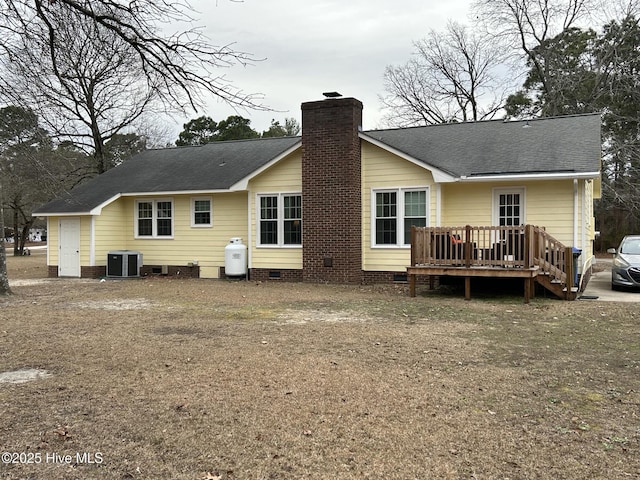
(175, 192)
(97, 210)
(62, 214)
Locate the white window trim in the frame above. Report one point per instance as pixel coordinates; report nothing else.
(280, 220)
(401, 243)
(193, 212)
(154, 219)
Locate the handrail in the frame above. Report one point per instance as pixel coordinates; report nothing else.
(525, 246)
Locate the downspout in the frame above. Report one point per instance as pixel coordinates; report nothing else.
(585, 222)
(249, 237)
(92, 242)
(48, 243)
(438, 205)
(575, 212)
(575, 222)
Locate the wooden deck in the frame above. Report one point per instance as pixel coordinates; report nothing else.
(526, 252)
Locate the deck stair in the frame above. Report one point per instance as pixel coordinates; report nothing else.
(527, 252)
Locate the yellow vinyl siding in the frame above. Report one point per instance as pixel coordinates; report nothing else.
(466, 204)
(204, 245)
(53, 237)
(547, 204)
(114, 230)
(550, 204)
(381, 169)
(283, 177)
(229, 219)
(85, 240)
(110, 231)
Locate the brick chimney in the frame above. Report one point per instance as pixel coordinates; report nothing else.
(331, 191)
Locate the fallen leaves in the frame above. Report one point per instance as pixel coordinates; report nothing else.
(210, 476)
(63, 432)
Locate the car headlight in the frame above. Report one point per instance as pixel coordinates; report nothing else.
(619, 262)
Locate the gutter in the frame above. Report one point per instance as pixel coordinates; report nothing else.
(97, 210)
(530, 176)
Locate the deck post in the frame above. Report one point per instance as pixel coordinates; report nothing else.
(412, 284)
(414, 245)
(467, 288)
(528, 287)
(568, 269)
(532, 289)
(467, 246)
(528, 246)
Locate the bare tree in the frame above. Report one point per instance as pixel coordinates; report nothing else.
(4, 278)
(453, 76)
(185, 62)
(85, 82)
(29, 169)
(88, 92)
(571, 70)
(181, 68)
(525, 27)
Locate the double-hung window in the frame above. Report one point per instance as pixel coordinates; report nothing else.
(154, 218)
(201, 212)
(395, 211)
(280, 219)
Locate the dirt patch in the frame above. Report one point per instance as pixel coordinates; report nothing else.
(196, 379)
(28, 282)
(122, 304)
(301, 317)
(23, 376)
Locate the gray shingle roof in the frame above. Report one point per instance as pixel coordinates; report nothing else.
(569, 144)
(215, 166)
(560, 145)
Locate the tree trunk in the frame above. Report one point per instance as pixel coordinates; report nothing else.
(4, 278)
(25, 236)
(16, 235)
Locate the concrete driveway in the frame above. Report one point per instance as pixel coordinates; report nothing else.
(600, 286)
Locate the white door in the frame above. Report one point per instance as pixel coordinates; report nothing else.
(508, 211)
(69, 237)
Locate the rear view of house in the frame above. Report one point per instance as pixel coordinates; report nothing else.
(334, 205)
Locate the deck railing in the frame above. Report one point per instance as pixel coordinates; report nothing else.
(525, 246)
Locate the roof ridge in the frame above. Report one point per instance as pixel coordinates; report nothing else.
(220, 142)
(479, 122)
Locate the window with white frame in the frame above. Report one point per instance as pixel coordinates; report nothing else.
(508, 207)
(395, 211)
(201, 212)
(154, 218)
(280, 219)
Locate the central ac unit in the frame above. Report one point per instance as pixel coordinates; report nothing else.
(124, 263)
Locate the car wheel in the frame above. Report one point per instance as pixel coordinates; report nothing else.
(615, 287)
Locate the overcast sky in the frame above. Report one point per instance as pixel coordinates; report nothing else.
(314, 46)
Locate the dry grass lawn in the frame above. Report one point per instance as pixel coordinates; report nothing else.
(196, 379)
